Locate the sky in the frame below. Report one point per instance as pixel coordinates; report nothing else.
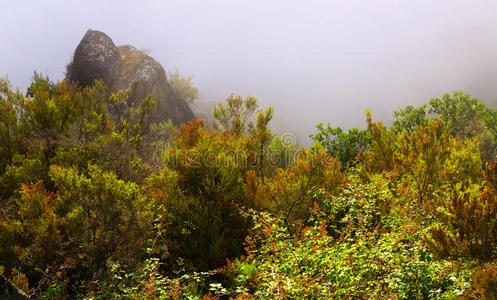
(314, 61)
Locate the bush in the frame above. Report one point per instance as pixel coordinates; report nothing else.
(198, 193)
(468, 225)
(76, 232)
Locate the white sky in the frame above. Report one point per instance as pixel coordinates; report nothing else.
(315, 61)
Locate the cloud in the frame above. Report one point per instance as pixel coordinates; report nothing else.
(315, 61)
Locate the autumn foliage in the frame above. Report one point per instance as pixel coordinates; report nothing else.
(98, 201)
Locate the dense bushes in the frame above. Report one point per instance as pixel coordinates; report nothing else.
(199, 191)
(76, 231)
(427, 159)
(69, 184)
(288, 194)
(96, 201)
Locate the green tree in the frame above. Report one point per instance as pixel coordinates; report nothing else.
(460, 111)
(74, 233)
(40, 82)
(289, 193)
(467, 224)
(200, 191)
(11, 133)
(409, 118)
(468, 117)
(426, 159)
(197, 195)
(236, 115)
(282, 152)
(184, 85)
(261, 137)
(343, 145)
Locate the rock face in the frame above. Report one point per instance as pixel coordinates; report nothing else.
(126, 68)
(96, 57)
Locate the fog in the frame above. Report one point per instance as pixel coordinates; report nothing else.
(315, 61)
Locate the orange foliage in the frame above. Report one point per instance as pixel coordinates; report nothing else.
(289, 192)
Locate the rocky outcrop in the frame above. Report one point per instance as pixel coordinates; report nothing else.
(127, 68)
(96, 57)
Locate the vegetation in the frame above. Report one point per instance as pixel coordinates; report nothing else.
(96, 201)
(343, 145)
(184, 85)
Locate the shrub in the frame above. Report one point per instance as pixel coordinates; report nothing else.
(467, 226)
(75, 232)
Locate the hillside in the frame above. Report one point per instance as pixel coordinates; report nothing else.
(109, 204)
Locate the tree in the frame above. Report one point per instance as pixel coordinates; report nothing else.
(261, 137)
(460, 112)
(282, 152)
(343, 145)
(20, 161)
(469, 118)
(11, 133)
(467, 225)
(198, 193)
(425, 159)
(40, 82)
(184, 86)
(236, 116)
(288, 194)
(409, 118)
(75, 232)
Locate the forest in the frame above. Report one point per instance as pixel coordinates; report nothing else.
(98, 201)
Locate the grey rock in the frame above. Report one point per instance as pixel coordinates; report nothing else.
(96, 57)
(127, 68)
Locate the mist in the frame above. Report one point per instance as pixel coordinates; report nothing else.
(314, 61)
